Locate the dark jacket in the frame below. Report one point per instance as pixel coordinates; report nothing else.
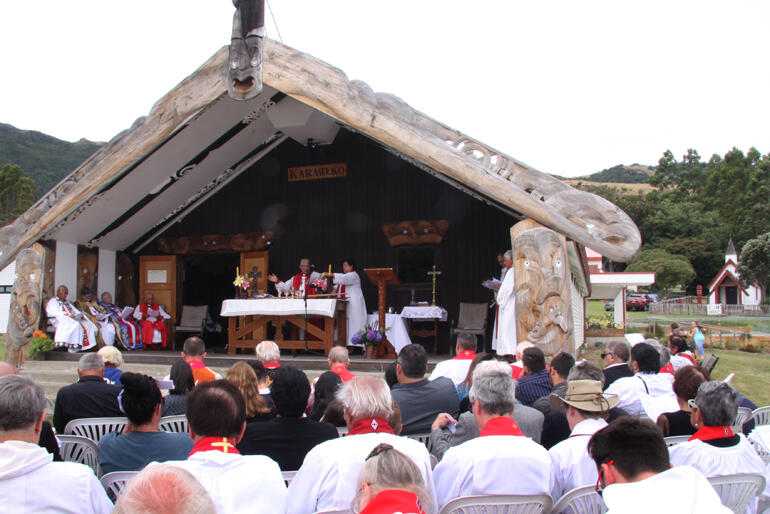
(613, 373)
(89, 397)
(421, 401)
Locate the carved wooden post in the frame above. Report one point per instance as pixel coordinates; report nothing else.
(542, 275)
(25, 302)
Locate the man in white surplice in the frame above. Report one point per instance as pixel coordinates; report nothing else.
(73, 330)
(300, 282)
(348, 285)
(506, 315)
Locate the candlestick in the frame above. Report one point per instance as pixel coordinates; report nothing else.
(237, 270)
(330, 269)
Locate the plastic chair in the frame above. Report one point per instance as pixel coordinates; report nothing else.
(115, 482)
(423, 437)
(760, 450)
(499, 504)
(737, 491)
(75, 448)
(288, 476)
(95, 428)
(760, 416)
(744, 413)
(673, 440)
(173, 424)
(583, 500)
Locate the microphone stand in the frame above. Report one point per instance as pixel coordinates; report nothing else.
(304, 297)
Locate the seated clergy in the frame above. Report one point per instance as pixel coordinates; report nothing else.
(94, 312)
(502, 460)
(73, 330)
(216, 413)
(129, 332)
(151, 316)
(633, 392)
(635, 474)
(328, 477)
(534, 381)
(339, 360)
(456, 369)
(420, 399)
(29, 480)
(301, 283)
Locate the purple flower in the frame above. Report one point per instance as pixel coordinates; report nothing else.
(370, 335)
(378, 338)
(356, 339)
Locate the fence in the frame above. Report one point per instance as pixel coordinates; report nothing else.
(684, 307)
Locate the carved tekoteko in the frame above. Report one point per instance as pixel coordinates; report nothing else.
(227, 243)
(25, 301)
(415, 233)
(244, 66)
(542, 276)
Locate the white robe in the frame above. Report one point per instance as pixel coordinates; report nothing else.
(632, 394)
(506, 316)
(498, 464)
(455, 369)
(572, 464)
(70, 325)
(356, 310)
(286, 286)
(238, 483)
(503, 271)
(328, 477)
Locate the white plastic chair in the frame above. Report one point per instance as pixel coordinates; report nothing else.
(760, 416)
(288, 476)
(737, 491)
(75, 448)
(173, 424)
(499, 504)
(673, 440)
(423, 437)
(95, 428)
(583, 500)
(115, 482)
(744, 413)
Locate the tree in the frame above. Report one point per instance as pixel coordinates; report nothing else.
(754, 263)
(17, 193)
(670, 269)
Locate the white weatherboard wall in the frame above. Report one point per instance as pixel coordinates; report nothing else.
(7, 277)
(66, 268)
(106, 278)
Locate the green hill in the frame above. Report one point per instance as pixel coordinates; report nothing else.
(43, 158)
(634, 174)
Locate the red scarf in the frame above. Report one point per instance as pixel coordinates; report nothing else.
(144, 307)
(272, 365)
(709, 433)
(370, 425)
(393, 500)
(196, 364)
(465, 355)
(344, 373)
(687, 356)
(296, 283)
(669, 368)
(220, 444)
(501, 425)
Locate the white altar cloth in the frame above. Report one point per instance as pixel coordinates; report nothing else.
(279, 307)
(428, 312)
(397, 333)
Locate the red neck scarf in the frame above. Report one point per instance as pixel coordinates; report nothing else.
(144, 307)
(299, 279)
(687, 356)
(669, 368)
(370, 425)
(709, 433)
(272, 365)
(196, 364)
(344, 373)
(220, 444)
(465, 355)
(393, 500)
(501, 425)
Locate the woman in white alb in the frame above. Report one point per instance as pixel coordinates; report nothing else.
(348, 285)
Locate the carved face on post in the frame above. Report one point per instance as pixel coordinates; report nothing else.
(542, 290)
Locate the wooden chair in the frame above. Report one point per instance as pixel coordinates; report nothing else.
(173, 424)
(95, 428)
(75, 448)
(673, 440)
(760, 416)
(192, 321)
(499, 504)
(115, 482)
(472, 319)
(737, 491)
(583, 500)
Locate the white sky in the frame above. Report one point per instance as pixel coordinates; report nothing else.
(569, 87)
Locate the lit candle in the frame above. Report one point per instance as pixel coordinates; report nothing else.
(237, 271)
(330, 269)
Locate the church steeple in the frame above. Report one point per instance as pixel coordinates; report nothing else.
(731, 254)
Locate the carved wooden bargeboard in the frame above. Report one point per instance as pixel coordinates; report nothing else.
(542, 278)
(26, 301)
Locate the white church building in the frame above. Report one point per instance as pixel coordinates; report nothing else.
(726, 288)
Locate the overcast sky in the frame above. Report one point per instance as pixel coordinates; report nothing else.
(569, 87)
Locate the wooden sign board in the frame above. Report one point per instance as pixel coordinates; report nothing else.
(318, 171)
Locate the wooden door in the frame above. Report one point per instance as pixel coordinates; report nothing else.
(88, 263)
(125, 281)
(256, 263)
(158, 274)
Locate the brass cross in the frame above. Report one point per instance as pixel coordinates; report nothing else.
(434, 273)
(225, 444)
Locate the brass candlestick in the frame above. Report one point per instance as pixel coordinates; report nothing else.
(434, 273)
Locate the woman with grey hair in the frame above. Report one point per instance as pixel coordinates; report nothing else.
(715, 449)
(390, 482)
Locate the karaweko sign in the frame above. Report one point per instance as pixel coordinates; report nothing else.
(318, 171)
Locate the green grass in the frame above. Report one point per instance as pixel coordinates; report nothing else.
(2, 347)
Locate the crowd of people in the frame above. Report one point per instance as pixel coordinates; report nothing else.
(553, 428)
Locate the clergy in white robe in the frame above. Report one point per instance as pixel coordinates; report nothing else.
(457, 368)
(503, 270)
(646, 386)
(506, 313)
(348, 285)
(97, 315)
(73, 330)
(502, 460)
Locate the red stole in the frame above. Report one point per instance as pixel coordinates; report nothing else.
(272, 365)
(370, 425)
(220, 444)
(144, 307)
(344, 373)
(465, 355)
(394, 500)
(67, 309)
(709, 433)
(298, 279)
(501, 425)
(669, 368)
(688, 357)
(340, 290)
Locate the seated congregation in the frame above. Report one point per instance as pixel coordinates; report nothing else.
(408, 443)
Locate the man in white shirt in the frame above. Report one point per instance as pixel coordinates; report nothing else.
(300, 283)
(29, 479)
(635, 475)
(457, 368)
(328, 476)
(216, 413)
(646, 391)
(73, 330)
(586, 408)
(501, 460)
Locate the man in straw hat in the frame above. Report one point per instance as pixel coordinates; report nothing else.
(586, 408)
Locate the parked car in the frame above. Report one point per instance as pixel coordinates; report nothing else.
(609, 305)
(637, 302)
(654, 297)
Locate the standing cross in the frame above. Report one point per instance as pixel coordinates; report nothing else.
(225, 444)
(434, 273)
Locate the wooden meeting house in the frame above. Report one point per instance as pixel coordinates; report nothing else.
(315, 166)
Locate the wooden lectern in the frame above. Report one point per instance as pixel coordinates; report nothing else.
(382, 277)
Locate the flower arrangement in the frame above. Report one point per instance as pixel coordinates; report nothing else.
(41, 343)
(369, 335)
(603, 322)
(320, 283)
